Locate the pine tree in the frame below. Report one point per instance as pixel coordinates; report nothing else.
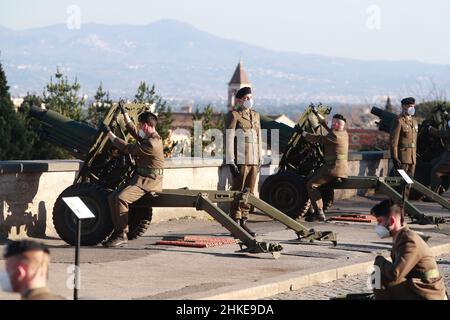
(388, 106)
(14, 137)
(98, 108)
(41, 149)
(63, 96)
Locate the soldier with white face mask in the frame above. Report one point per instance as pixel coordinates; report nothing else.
(412, 273)
(403, 139)
(243, 151)
(148, 176)
(335, 166)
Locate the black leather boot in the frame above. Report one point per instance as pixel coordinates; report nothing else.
(246, 228)
(117, 239)
(317, 216)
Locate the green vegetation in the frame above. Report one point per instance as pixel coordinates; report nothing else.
(14, 136)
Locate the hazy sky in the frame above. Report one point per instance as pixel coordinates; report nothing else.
(377, 29)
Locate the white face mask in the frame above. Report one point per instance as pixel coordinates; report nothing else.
(248, 104)
(142, 134)
(411, 111)
(382, 231)
(5, 282)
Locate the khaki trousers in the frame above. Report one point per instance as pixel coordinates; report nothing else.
(119, 202)
(410, 169)
(314, 183)
(246, 179)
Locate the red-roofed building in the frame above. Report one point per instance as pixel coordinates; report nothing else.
(368, 139)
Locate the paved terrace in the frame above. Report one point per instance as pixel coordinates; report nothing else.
(143, 270)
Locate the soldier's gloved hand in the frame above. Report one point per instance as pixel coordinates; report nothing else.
(304, 133)
(234, 169)
(104, 128)
(397, 163)
(379, 260)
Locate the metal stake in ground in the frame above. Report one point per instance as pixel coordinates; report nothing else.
(81, 211)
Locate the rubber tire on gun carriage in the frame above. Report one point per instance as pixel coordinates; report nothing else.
(94, 231)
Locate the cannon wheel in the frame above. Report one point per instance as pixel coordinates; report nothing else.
(286, 191)
(94, 231)
(139, 221)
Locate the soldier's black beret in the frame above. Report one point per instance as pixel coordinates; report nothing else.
(408, 100)
(383, 209)
(340, 117)
(145, 116)
(243, 91)
(19, 247)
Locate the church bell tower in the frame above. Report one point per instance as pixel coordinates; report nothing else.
(238, 81)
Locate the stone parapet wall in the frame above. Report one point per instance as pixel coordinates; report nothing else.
(28, 189)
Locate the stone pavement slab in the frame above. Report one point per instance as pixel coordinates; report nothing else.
(143, 270)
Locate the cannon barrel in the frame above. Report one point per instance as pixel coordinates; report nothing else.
(386, 118)
(285, 131)
(73, 136)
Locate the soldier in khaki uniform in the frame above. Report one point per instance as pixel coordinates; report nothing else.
(404, 138)
(335, 145)
(27, 270)
(413, 273)
(149, 156)
(442, 168)
(243, 147)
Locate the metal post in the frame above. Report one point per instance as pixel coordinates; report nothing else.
(404, 186)
(77, 261)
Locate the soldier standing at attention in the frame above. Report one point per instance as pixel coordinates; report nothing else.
(335, 145)
(413, 273)
(243, 151)
(27, 270)
(148, 177)
(442, 168)
(404, 138)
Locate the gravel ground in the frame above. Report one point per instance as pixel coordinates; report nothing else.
(354, 284)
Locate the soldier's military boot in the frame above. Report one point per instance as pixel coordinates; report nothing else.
(116, 240)
(246, 227)
(316, 216)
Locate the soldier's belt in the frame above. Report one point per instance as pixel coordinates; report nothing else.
(146, 172)
(407, 145)
(250, 140)
(337, 157)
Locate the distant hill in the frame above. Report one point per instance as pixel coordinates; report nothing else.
(188, 63)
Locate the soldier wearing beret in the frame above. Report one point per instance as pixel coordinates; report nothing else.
(243, 151)
(149, 156)
(403, 138)
(335, 145)
(442, 167)
(27, 270)
(412, 273)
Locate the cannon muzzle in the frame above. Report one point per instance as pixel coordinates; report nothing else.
(73, 136)
(386, 118)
